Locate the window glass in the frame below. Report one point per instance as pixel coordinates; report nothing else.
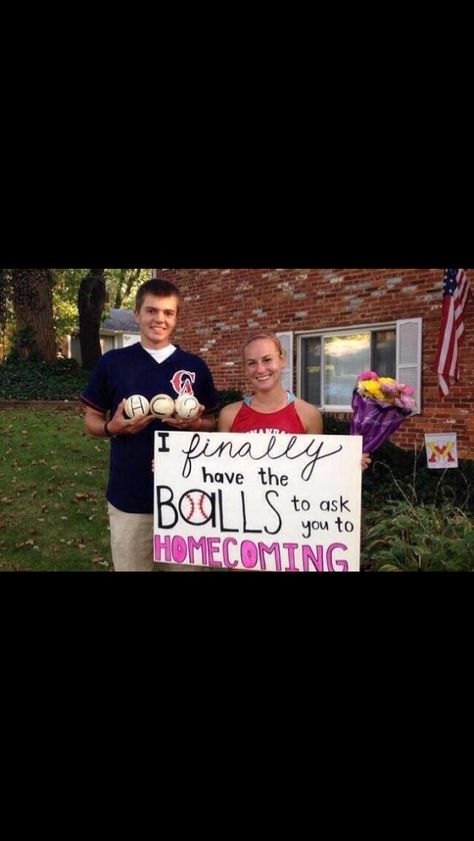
(384, 352)
(344, 357)
(311, 369)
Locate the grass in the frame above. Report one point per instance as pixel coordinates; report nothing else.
(53, 477)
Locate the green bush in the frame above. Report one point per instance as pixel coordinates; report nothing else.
(334, 426)
(396, 474)
(29, 379)
(401, 537)
(228, 395)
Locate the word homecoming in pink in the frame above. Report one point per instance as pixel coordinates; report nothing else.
(247, 554)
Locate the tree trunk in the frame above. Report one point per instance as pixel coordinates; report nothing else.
(127, 278)
(33, 306)
(118, 293)
(91, 301)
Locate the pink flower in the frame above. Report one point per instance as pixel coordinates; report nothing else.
(388, 388)
(385, 390)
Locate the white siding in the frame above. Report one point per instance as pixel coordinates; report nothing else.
(130, 338)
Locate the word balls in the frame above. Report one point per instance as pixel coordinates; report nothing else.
(136, 405)
(186, 406)
(162, 405)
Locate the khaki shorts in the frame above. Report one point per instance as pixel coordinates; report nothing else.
(131, 541)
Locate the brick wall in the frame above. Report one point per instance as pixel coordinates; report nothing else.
(221, 306)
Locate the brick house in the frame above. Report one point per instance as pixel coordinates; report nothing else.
(334, 323)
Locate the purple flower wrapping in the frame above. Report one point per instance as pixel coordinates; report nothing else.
(375, 421)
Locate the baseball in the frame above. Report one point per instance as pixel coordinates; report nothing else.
(162, 405)
(136, 405)
(196, 507)
(186, 406)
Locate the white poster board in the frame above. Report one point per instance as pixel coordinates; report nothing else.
(441, 450)
(261, 502)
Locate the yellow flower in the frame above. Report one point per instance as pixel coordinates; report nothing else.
(372, 389)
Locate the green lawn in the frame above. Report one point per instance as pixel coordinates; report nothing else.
(53, 477)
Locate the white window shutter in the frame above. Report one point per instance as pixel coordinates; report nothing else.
(409, 356)
(286, 340)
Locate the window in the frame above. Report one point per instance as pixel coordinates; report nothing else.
(330, 361)
(286, 340)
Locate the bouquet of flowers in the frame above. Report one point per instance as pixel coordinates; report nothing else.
(380, 405)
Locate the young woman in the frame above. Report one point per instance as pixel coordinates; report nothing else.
(270, 408)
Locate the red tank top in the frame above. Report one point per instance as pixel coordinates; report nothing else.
(285, 420)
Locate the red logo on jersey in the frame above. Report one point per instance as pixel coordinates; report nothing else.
(182, 382)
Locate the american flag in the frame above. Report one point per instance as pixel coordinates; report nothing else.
(455, 292)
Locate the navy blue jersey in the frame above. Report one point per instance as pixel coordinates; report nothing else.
(131, 370)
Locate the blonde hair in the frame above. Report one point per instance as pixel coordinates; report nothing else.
(263, 334)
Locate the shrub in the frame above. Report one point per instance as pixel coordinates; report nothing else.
(397, 474)
(335, 426)
(228, 395)
(28, 379)
(403, 537)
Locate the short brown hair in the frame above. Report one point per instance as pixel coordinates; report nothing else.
(158, 287)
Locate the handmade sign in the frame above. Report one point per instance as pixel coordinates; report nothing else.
(261, 502)
(441, 450)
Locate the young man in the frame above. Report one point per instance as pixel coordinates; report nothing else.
(150, 367)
